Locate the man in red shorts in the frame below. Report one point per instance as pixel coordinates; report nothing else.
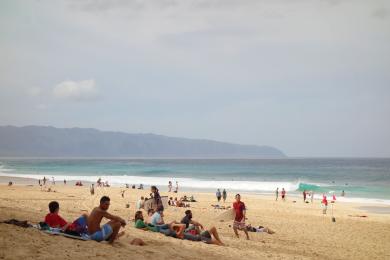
(239, 220)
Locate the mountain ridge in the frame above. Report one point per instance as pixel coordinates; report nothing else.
(49, 141)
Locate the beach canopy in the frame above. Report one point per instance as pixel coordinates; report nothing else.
(150, 203)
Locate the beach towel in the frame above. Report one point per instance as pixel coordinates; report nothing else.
(56, 231)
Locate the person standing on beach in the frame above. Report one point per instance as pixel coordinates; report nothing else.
(157, 199)
(304, 196)
(92, 189)
(277, 194)
(53, 181)
(224, 195)
(169, 186)
(218, 194)
(324, 204)
(239, 220)
(44, 180)
(283, 194)
(177, 187)
(312, 196)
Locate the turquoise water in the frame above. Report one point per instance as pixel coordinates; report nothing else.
(361, 178)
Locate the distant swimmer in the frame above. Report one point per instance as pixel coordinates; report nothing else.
(342, 193)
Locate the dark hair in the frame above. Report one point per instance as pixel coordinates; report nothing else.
(187, 212)
(154, 188)
(238, 194)
(150, 210)
(104, 199)
(53, 206)
(138, 215)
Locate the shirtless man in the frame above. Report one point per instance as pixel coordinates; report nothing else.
(109, 230)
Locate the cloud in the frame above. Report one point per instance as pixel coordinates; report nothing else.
(76, 90)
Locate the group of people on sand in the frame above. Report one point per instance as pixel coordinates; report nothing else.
(220, 195)
(180, 202)
(170, 187)
(187, 228)
(283, 194)
(90, 224)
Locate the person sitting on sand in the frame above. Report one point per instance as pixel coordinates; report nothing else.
(187, 220)
(259, 229)
(110, 230)
(53, 219)
(239, 220)
(140, 222)
(170, 201)
(140, 203)
(172, 229)
(196, 232)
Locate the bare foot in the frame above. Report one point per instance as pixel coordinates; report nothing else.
(120, 234)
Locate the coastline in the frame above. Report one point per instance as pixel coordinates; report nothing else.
(301, 229)
(365, 206)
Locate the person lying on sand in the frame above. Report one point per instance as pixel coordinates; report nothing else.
(110, 230)
(259, 229)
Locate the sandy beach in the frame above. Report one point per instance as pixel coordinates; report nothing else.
(302, 232)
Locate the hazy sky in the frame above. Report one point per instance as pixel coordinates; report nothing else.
(309, 77)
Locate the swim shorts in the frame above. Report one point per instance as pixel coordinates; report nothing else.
(205, 236)
(102, 234)
(239, 225)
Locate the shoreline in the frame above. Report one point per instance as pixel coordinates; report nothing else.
(302, 231)
(364, 205)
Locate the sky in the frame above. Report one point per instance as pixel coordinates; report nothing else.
(310, 77)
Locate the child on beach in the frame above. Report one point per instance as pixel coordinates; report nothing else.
(324, 204)
(53, 219)
(239, 220)
(283, 194)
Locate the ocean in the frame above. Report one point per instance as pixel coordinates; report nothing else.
(361, 179)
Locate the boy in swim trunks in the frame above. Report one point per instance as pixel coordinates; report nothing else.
(239, 220)
(108, 231)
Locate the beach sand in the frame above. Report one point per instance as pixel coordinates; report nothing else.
(302, 232)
